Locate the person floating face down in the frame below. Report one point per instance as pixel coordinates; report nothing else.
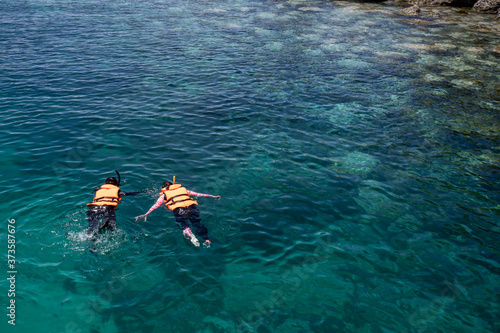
(101, 213)
(178, 199)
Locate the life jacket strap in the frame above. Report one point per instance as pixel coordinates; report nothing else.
(113, 199)
(171, 201)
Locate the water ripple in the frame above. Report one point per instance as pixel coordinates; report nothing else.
(357, 160)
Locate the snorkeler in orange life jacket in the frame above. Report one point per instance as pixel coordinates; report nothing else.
(101, 213)
(178, 199)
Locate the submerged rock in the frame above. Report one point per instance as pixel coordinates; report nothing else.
(355, 163)
(412, 11)
(487, 6)
(429, 12)
(376, 203)
(310, 9)
(456, 3)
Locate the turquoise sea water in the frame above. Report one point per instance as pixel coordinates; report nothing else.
(356, 151)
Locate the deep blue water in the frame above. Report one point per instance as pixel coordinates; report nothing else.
(356, 151)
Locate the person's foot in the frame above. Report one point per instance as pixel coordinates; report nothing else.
(207, 243)
(188, 234)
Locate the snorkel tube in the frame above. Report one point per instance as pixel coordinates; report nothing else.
(119, 178)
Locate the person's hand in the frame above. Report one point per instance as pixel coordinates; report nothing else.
(141, 217)
(217, 197)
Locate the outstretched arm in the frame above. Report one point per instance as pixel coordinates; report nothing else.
(133, 193)
(194, 194)
(154, 207)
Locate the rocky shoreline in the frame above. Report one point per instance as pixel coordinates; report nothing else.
(491, 7)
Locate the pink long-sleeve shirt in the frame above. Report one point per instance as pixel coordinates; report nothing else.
(161, 199)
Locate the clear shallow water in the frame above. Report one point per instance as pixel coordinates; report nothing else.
(356, 152)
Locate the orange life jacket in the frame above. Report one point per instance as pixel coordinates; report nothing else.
(176, 196)
(106, 195)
